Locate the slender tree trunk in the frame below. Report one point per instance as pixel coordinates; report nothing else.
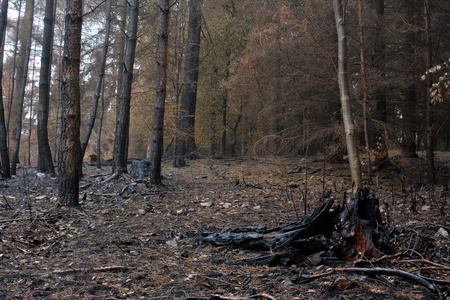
(58, 103)
(123, 118)
(349, 124)
(186, 124)
(178, 63)
(45, 162)
(98, 88)
(379, 144)
(121, 44)
(431, 170)
(365, 91)
(13, 75)
(158, 120)
(69, 149)
(100, 128)
(5, 167)
(26, 43)
(408, 144)
(30, 119)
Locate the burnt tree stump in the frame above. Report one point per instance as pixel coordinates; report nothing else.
(358, 229)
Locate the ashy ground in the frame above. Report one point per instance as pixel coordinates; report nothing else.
(131, 240)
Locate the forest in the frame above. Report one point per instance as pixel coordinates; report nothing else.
(224, 149)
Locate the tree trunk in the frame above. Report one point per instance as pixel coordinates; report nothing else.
(98, 88)
(379, 144)
(5, 167)
(431, 170)
(100, 128)
(178, 62)
(158, 121)
(69, 148)
(24, 50)
(186, 124)
(123, 117)
(408, 143)
(45, 162)
(30, 119)
(349, 124)
(13, 76)
(365, 92)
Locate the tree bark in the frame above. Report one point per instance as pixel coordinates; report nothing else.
(186, 123)
(158, 121)
(123, 117)
(349, 124)
(431, 170)
(45, 162)
(69, 148)
(24, 50)
(98, 88)
(5, 167)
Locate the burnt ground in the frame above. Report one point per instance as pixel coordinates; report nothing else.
(130, 240)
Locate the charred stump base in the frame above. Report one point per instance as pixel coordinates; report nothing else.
(343, 233)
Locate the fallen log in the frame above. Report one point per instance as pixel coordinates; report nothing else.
(320, 221)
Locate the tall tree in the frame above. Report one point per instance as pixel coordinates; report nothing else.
(69, 148)
(349, 124)
(24, 57)
(158, 121)
(13, 75)
(186, 123)
(5, 167)
(123, 115)
(45, 162)
(431, 170)
(98, 88)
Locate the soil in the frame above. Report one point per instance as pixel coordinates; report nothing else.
(131, 240)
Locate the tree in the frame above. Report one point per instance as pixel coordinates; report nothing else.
(349, 124)
(186, 123)
(123, 115)
(69, 148)
(158, 121)
(45, 162)
(100, 80)
(15, 67)
(5, 167)
(24, 57)
(431, 170)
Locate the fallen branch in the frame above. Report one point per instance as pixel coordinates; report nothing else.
(112, 177)
(71, 271)
(426, 282)
(219, 297)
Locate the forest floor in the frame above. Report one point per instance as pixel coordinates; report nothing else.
(131, 240)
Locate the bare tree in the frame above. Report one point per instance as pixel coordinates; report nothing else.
(123, 115)
(98, 88)
(6, 173)
(24, 57)
(349, 124)
(69, 148)
(186, 122)
(45, 162)
(158, 121)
